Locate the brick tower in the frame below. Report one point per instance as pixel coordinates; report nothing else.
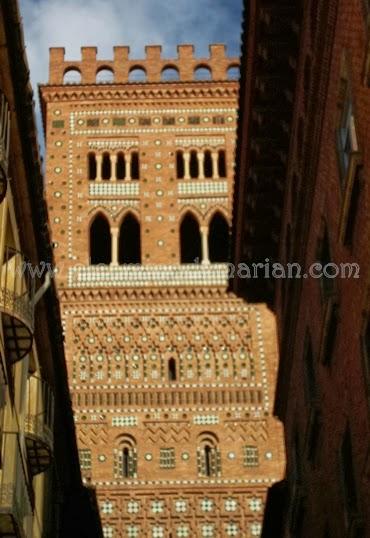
(171, 377)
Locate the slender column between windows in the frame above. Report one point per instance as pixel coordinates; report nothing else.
(113, 160)
(99, 165)
(128, 167)
(114, 233)
(205, 250)
(214, 156)
(186, 165)
(200, 156)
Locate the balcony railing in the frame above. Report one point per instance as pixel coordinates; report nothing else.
(17, 286)
(39, 424)
(16, 497)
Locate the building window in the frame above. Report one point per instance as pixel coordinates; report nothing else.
(218, 239)
(125, 458)
(172, 376)
(91, 165)
(135, 165)
(85, 459)
(330, 333)
(120, 166)
(190, 240)
(57, 124)
(208, 168)
(348, 474)
(180, 165)
(251, 456)
(194, 165)
(129, 240)
(208, 455)
(167, 458)
(222, 163)
(106, 169)
(100, 241)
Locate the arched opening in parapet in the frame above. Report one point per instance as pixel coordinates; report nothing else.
(106, 168)
(135, 165)
(100, 241)
(137, 74)
(129, 240)
(218, 239)
(190, 240)
(91, 165)
(170, 73)
(194, 165)
(72, 76)
(221, 163)
(180, 165)
(105, 75)
(233, 72)
(120, 166)
(202, 72)
(172, 374)
(207, 164)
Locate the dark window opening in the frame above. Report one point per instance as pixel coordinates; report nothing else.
(353, 208)
(190, 240)
(135, 174)
(218, 239)
(180, 165)
(129, 241)
(92, 165)
(100, 241)
(194, 166)
(222, 163)
(106, 166)
(120, 166)
(207, 164)
(126, 462)
(208, 460)
(172, 370)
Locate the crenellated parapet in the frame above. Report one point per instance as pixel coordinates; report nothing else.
(153, 68)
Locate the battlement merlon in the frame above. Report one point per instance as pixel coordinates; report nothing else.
(153, 64)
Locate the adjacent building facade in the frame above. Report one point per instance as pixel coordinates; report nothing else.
(41, 487)
(171, 376)
(309, 204)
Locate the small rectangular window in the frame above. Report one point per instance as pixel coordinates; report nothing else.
(218, 120)
(58, 124)
(251, 458)
(145, 121)
(169, 120)
(167, 458)
(85, 459)
(119, 121)
(193, 120)
(92, 122)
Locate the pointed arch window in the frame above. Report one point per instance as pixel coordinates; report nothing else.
(106, 166)
(129, 240)
(221, 163)
(91, 165)
(190, 240)
(194, 165)
(172, 373)
(180, 172)
(218, 239)
(208, 455)
(125, 458)
(120, 166)
(100, 241)
(208, 171)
